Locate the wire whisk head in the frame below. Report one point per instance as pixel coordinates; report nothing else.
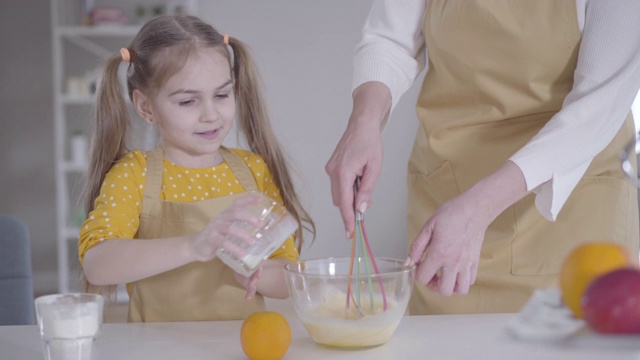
(362, 264)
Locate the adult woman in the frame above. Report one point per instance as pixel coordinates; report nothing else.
(520, 97)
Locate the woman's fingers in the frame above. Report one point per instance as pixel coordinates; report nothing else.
(473, 273)
(456, 278)
(463, 281)
(439, 273)
(358, 153)
(447, 281)
(419, 245)
(343, 198)
(365, 192)
(426, 272)
(449, 246)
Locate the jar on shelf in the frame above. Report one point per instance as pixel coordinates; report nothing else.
(79, 149)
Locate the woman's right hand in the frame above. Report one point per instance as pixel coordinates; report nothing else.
(359, 152)
(204, 245)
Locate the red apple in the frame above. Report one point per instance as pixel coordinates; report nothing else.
(611, 302)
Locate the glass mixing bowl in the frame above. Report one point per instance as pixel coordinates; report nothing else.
(318, 290)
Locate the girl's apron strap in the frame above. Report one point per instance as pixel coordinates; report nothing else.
(154, 180)
(240, 169)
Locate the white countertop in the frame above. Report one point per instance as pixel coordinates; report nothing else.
(417, 337)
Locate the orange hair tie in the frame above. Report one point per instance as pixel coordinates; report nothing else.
(225, 39)
(126, 55)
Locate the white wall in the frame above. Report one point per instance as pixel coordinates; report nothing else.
(304, 52)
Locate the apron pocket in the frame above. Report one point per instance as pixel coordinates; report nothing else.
(597, 210)
(426, 194)
(440, 185)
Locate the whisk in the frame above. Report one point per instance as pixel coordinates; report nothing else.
(362, 263)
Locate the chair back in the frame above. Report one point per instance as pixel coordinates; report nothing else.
(16, 284)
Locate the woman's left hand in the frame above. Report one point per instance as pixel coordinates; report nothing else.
(250, 283)
(450, 242)
(447, 250)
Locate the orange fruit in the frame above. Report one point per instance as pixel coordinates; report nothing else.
(585, 263)
(265, 335)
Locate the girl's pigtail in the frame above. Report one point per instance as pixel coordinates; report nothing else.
(109, 131)
(108, 144)
(253, 119)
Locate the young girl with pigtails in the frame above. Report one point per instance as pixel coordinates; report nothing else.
(156, 218)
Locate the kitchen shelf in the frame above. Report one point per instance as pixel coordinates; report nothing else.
(71, 233)
(77, 99)
(68, 166)
(110, 31)
(77, 53)
(76, 49)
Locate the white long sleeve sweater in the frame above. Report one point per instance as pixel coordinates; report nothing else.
(606, 81)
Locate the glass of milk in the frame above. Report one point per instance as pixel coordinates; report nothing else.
(278, 225)
(69, 325)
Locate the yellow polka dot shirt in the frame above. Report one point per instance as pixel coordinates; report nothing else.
(117, 209)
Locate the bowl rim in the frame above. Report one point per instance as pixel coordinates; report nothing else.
(403, 269)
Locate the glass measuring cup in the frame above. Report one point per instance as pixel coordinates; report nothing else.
(278, 225)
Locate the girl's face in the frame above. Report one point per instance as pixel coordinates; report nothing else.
(194, 110)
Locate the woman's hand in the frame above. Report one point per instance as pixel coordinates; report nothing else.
(450, 242)
(214, 236)
(447, 250)
(359, 152)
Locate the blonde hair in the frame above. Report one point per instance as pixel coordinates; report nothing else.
(158, 51)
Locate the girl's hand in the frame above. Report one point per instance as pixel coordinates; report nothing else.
(249, 283)
(204, 245)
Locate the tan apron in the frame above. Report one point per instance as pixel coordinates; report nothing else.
(498, 71)
(199, 290)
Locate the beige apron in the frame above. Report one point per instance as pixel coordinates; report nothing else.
(498, 71)
(199, 290)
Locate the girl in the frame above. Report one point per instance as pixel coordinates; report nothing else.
(150, 211)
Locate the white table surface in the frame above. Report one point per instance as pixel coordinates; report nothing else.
(417, 337)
